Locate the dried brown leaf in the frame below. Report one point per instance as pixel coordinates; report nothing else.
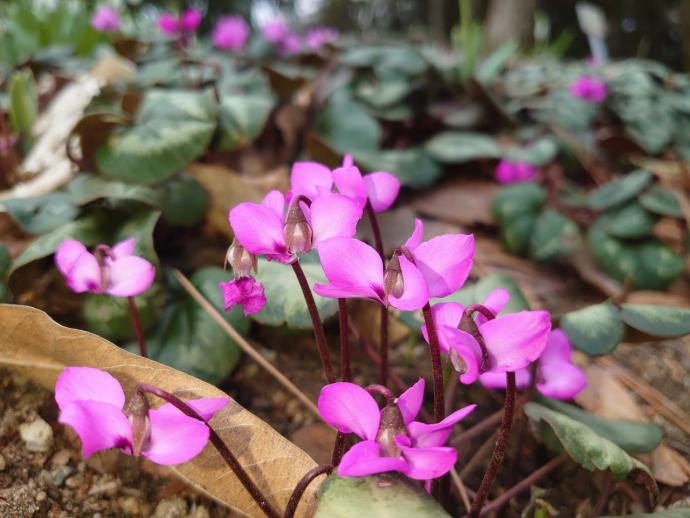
(39, 348)
(462, 202)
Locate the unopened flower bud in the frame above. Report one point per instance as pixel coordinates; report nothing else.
(298, 233)
(458, 362)
(137, 411)
(391, 426)
(242, 261)
(393, 283)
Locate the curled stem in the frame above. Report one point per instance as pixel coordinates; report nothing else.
(302, 486)
(219, 445)
(378, 241)
(136, 326)
(499, 449)
(319, 333)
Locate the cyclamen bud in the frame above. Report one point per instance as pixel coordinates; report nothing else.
(137, 411)
(242, 261)
(392, 425)
(393, 283)
(298, 232)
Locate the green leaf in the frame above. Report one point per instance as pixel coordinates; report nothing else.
(516, 233)
(630, 221)
(517, 199)
(477, 293)
(553, 236)
(172, 129)
(86, 188)
(183, 201)
(595, 330)
(347, 125)
(140, 224)
(5, 262)
(661, 201)
(242, 118)
(457, 147)
(190, 340)
(620, 190)
(23, 106)
(661, 321)
(385, 92)
(378, 496)
(660, 265)
(284, 300)
(42, 214)
(587, 448)
(629, 435)
(539, 153)
(413, 166)
(489, 69)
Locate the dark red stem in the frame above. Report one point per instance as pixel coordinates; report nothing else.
(136, 326)
(378, 241)
(302, 486)
(319, 333)
(437, 370)
(499, 449)
(219, 444)
(345, 370)
(338, 448)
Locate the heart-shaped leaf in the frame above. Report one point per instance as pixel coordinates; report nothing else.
(589, 449)
(661, 321)
(183, 201)
(284, 300)
(619, 191)
(347, 125)
(379, 496)
(516, 233)
(553, 236)
(172, 128)
(40, 349)
(85, 188)
(660, 201)
(412, 166)
(241, 118)
(630, 221)
(520, 198)
(595, 329)
(41, 214)
(457, 147)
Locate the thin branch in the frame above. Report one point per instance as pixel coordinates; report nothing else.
(457, 483)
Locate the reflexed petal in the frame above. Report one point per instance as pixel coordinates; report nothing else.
(516, 339)
(365, 458)
(429, 435)
(560, 380)
(167, 23)
(428, 463)
(100, 426)
(415, 293)
(411, 400)
(382, 190)
(85, 274)
(445, 262)
(175, 437)
(353, 269)
(124, 248)
(206, 407)
(275, 200)
(348, 180)
(495, 301)
(505, 172)
(444, 314)
(497, 380)
(130, 276)
(464, 353)
(190, 20)
(350, 409)
(417, 235)
(558, 349)
(258, 228)
(67, 254)
(310, 179)
(247, 291)
(88, 384)
(334, 215)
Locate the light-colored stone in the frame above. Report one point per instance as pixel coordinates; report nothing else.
(37, 435)
(170, 508)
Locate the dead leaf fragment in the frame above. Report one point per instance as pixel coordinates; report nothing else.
(462, 202)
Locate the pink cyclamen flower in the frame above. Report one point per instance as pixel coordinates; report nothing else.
(416, 272)
(311, 178)
(589, 88)
(265, 228)
(392, 440)
(105, 19)
(231, 33)
(115, 271)
(186, 23)
(512, 340)
(320, 36)
(92, 402)
(557, 376)
(190, 19)
(275, 31)
(513, 172)
(244, 289)
(291, 44)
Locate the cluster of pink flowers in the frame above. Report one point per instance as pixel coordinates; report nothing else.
(278, 33)
(590, 89)
(184, 24)
(513, 172)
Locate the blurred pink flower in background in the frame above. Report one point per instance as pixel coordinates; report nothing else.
(186, 23)
(231, 33)
(514, 172)
(275, 31)
(105, 19)
(320, 36)
(589, 88)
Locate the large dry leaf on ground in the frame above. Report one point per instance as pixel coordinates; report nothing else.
(607, 397)
(39, 348)
(463, 202)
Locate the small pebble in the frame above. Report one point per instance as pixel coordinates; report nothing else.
(40, 496)
(129, 505)
(108, 488)
(37, 435)
(62, 457)
(170, 508)
(74, 481)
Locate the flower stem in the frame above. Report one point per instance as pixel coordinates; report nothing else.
(499, 449)
(338, 447)
(302, 486)
(345, 371)
(376, 230)
(136, 326)
(219, 444)
(437, 370)
(319, 333)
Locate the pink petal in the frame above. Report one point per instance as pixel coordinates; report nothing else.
(516, 339)
(275, 200)
(365, 458)
(428, 463)
(175, 437)
(190, 20)
(348, 180)
(382, 190)
(350, 409)
(353, 269)
(334, 215)
(88, 384)
(411, 400)
(100, 426)
(124, 248)
(259, 228)
(415, 294)
(497, 380)
(67, 254)
(560, 381)
(558, 349)
(130, 276)
(505, 172)
(445, 262)
(444, 314)
(167, 23)
(462, 345)
(495, 301)
(206, 407)
(310, 179)
(417, 235)
(85, 274)
(247, 291)
(429, 435)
